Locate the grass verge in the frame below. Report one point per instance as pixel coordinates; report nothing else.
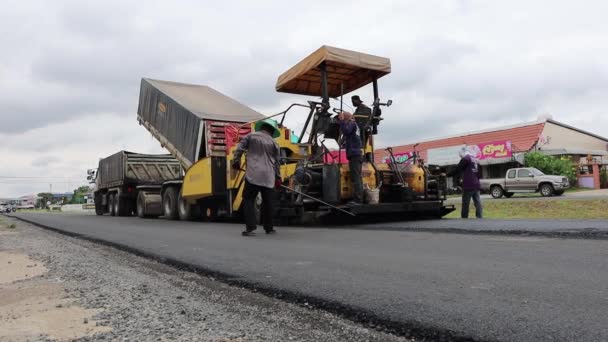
(540, 209)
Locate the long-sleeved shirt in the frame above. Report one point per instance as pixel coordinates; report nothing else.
(262, 157)
(352, 137)
(471, 173)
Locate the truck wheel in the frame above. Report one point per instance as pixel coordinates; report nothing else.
(141, 205)
(509, 194)
(99, 209)
(546, 190)
(184, 209)
(170, 203)
(111, 205)
(118, 206)
(496, 191)
(145, 207)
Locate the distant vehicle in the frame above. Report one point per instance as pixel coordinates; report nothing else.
(6, 209)
(525, 180)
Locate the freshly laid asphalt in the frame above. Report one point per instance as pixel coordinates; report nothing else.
(552, 228)
(486, 287)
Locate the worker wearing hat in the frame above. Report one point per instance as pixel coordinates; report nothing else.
(362, 114)
(262, 174)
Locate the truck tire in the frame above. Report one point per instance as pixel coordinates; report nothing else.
(111, 205)
(120, 205)
(496, 191)
(509, 194)
(99, 209)
(170, 203)
(141, 205)
(546, 190)
(184, 209)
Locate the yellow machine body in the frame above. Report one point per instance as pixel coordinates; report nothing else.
(346, 185)
(414, 176)
(197, 181)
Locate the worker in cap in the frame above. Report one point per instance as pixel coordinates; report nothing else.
(362, 115)
(362, 112)
(262, 174)
(352, 144)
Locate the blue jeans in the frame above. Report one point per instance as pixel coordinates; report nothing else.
(466, 200)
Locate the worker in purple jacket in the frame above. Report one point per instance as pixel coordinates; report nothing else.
(469, 169)
(352, 143)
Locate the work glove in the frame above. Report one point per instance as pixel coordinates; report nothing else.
(278, 183)
(236, 164)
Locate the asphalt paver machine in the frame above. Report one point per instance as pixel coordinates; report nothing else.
(317, 185)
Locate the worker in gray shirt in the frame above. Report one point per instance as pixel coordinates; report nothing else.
(262, 174)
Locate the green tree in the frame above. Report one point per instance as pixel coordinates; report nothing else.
(79, 194)
(551, 165)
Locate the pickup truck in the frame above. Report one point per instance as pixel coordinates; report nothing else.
(522, 180)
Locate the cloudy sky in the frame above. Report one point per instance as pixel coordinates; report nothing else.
(70, 70)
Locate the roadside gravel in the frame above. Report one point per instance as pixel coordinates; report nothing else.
(143, 300)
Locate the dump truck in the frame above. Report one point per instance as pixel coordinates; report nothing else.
(201, 128)
(123, 176)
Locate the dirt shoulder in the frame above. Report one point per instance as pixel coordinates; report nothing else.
(32, 306)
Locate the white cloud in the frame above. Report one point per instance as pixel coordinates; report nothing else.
(70, 70)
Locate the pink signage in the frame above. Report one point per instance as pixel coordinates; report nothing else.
(496, 149)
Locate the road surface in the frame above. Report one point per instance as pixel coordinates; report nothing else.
(482, 287)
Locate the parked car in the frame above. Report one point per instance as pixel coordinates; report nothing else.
(5, 208)
(525, 180)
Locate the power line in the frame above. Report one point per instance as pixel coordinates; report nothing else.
(34, 177)
(39, 182)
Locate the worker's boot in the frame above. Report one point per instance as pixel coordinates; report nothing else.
(270, 231)
(248, 233)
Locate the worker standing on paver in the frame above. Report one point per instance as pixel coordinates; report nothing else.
(352, 143)
(262, 173)
(469, 169)
(361, 114)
